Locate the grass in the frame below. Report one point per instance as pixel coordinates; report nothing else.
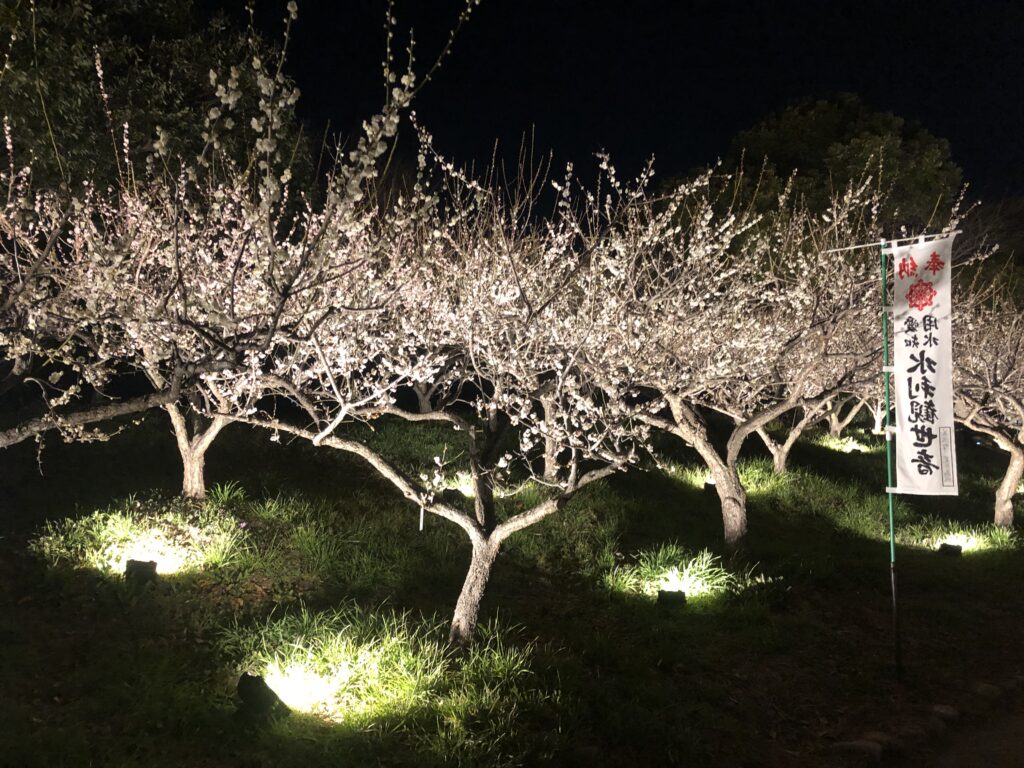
(303, 567)
(360, 671)
(671, 568)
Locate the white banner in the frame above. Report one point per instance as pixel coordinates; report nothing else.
(923, 369)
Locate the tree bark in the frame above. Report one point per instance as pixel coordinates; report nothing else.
(193, 485)
(550, 443)
(424, 393)
(779, 461)
(878, 412)
(81, 418)
(733, 499)
(779, 451)
(1008, 487)
(467, 609)
(193, 444)
(723, 471)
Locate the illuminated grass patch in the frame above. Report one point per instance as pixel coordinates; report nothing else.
(690, 475)
(846, 443)
(672, 568)
(932, 533)
(361, 670)
(177, 536)
(862, 511)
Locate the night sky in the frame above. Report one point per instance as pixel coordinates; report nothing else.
(674, 79)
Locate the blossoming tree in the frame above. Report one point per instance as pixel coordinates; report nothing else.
(735, 314)
(989, 384)
(460, 289)
(51, 340)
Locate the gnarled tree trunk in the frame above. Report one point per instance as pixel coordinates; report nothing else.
(424, 394)
(837, 423)
(723, 471)
(550, 443)
(733, 498)
(878, 414)
(467, 608)
(193, 442)
(780, 451)
(1008, 487)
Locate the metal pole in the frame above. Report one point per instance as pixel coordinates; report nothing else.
(886, 371)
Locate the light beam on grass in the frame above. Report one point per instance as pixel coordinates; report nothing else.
(689, 584)
(148, 545)
(463, 483)
(304, 689)
(845, 444)
(965, 541)
(170, 533)
(670, 568)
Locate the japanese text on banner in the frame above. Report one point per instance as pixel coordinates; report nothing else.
(923, 369)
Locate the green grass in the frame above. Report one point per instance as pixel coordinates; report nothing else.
(670, 567)
(356, 671)
(303, 566)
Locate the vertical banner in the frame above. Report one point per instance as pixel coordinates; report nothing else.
(923, 369)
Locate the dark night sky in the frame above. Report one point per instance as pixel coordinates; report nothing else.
(675, 79)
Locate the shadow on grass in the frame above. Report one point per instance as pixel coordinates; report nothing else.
(754, 678)
(96, 672)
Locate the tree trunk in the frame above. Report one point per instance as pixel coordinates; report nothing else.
(193, 485)
(1008, 487)
(779, 459)
(727, 479)
(424, 392)
(550, 443)
(837, 423)
(779, 451)
(878, 412)
(467, 609)
(835, 426)
(734, 502)
(192, 445)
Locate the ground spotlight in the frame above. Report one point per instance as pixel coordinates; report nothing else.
(256, 700)
(139, 572)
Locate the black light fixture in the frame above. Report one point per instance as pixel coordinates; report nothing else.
(671, 598)
(950, 550)
(257, 700)
(140, 572)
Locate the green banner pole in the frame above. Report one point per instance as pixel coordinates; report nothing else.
(886, 372)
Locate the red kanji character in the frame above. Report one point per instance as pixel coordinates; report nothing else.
(935, 264)
(907, 267)
(920, 295)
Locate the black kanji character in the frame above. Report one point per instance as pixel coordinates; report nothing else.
(924, 435)
(923, 460)
(921, 364)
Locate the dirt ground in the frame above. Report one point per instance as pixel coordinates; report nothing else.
(999, 745)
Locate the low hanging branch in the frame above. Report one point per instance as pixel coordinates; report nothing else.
(73, 421)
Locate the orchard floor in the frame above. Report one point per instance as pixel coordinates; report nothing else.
(774, 673)
(999, 745)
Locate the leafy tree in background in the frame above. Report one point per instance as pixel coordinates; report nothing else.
(155, 57)
(829, 143)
